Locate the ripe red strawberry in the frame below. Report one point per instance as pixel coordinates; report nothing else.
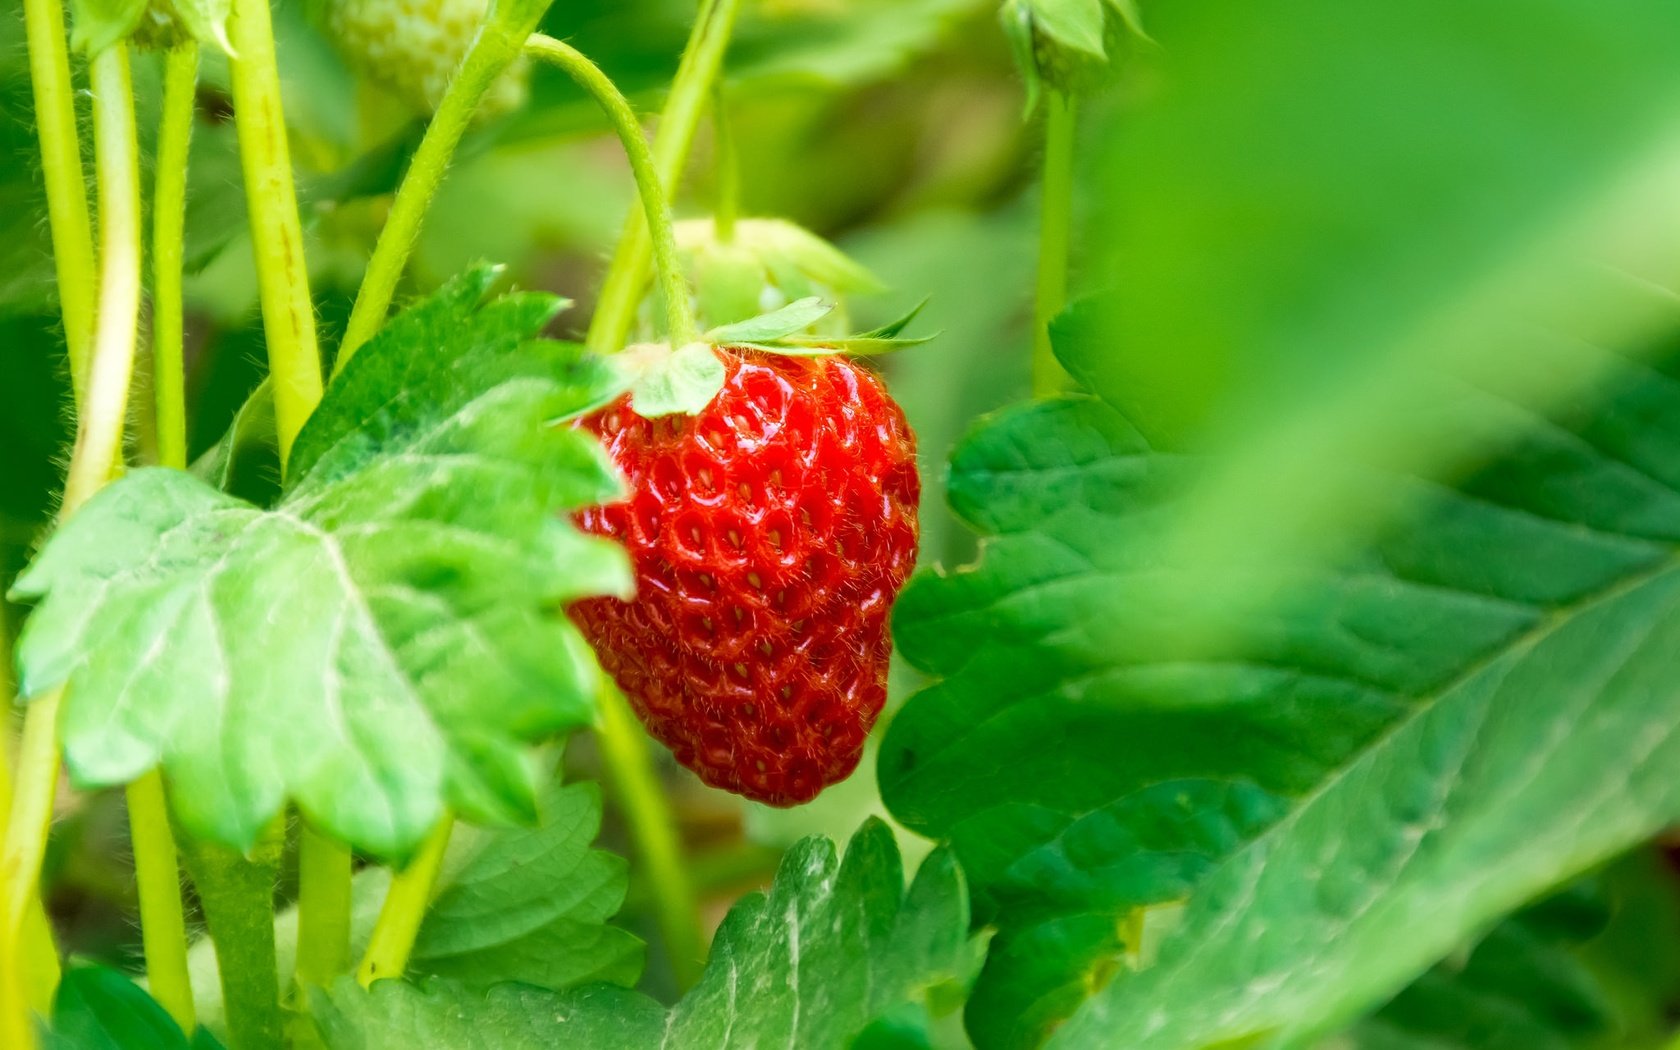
(770, 534)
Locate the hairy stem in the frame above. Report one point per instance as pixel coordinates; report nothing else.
(635, 785)
(294, 358)
(157, 869)
(169, 209)
(1054, 239)
(655, 204)
(237, 893)
(615, 309)
(497, 46)
(61, 168)
(157, 873)
(99, 431)
(323, 948)
(404, 908)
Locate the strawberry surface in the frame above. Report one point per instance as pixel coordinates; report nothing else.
(770, 534)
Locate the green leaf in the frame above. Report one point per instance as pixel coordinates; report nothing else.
(418, 556)
(832, 947)
(97, 24)
(671, 381)
(1558, 975)
(531, 905)
(794, 317)
(1166, 671)
(97, 1008)
(246, 461)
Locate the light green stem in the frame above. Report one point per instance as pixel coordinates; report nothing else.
(405, 907)
(104, 406)
(169, 210)
(1054, 239)
(99, 430)
(324, 869)
(728, 207)
(61, 167)
(636, 787)
(615, 309)
(655, 204)
(294, 358)
(157, 873)
(497, 46)
(237, 893)
(157, 869)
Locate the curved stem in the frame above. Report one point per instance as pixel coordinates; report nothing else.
(324, 870)
(99, 432)
(104, 408)
(624, 749)
(169, 207)
(615, 309)
(61, 167)
(405, 906)
(294, 358)
(497, 46)
(655, 205)
(157, 874)
(1054, 238)
(728, 207)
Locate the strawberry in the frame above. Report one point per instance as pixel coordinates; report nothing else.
(770, 533)
(413, 47)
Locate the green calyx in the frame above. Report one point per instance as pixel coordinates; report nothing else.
(764, 264)
(149, 23)
(1068, 45)
(667, 381)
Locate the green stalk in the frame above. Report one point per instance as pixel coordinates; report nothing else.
(728, 207)
(237, 894)
(157, 874)
(157, 868)
(405, 906)
(294, 358)
(615, 309)
(655, 205)
(61, 167)
(636, 787)
(1054, 238)
(324, 870)
(99, 430)
(497, 46)
(169, 211)
(623, 746)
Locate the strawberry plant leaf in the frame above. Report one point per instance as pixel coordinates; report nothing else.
(97, 1008)
(832, 946)
(1133, 713)
(1586, 967)
(531, 905)
(794, 317)
(420, 553)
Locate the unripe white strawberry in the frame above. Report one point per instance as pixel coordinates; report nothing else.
(413, 47)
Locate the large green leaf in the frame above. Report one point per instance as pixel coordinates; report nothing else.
(1343, 280)
(833, 946)
(378, 645)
